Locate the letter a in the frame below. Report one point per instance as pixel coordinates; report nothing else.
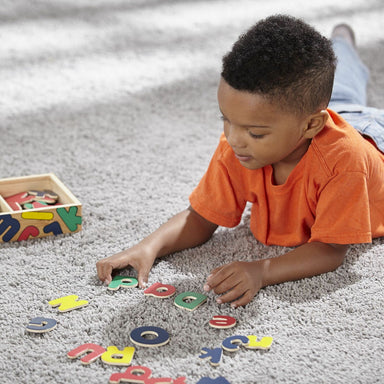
(162, 291)
(190, 300)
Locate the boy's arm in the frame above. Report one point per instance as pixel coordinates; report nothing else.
(185, 230)
(308, 260)
(240, 281)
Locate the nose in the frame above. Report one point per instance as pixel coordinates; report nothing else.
(235, 136)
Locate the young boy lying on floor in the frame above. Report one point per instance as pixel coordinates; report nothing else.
(315, 183)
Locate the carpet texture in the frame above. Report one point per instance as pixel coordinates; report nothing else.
(118, 99)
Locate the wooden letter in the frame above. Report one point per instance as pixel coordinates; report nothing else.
(229, 343)
(93, 352)
(161, 291)
(264, 343)
(137, 336)
(190, 300)
(114, 356)
(214, 355)
(222, 322)
(67, 303)
(41, 325)
(122, 281)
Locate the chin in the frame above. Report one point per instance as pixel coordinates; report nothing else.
(251, 166)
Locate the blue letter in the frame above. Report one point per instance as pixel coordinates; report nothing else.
(6, 222)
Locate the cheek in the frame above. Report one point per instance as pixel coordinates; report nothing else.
(225, 130)
(270, 149)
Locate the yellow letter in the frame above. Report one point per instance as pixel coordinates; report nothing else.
(67, 303)
(114, 356)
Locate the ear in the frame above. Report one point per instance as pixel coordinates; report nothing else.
(315, 124)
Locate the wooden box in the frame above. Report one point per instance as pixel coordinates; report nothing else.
(17, 225)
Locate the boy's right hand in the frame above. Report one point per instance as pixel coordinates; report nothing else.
(187, 229)
(136, 257)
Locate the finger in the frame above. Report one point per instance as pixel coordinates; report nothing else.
(214, 271)
(234, 293)
(143, 278)
(207, 286)
(244, 300)
(104, 271)
(211, 276)
(108, 275)
(220, 276)
(227, 283)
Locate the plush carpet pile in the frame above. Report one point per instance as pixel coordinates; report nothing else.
(118, 99)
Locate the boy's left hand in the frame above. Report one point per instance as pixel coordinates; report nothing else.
(237, 282)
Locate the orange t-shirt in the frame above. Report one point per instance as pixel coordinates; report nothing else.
(335, 194)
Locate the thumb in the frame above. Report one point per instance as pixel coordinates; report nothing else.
(108, 279)
(104, 271)
(143, 277)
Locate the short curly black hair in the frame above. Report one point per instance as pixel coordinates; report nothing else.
(286, 61)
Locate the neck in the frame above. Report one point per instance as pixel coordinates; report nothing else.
(283, 168)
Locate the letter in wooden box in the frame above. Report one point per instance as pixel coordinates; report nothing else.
(18, 225)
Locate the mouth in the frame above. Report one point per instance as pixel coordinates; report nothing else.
(243, 158)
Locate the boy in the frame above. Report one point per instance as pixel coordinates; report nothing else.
(313, 180)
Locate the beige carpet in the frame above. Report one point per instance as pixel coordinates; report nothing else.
(118, 99)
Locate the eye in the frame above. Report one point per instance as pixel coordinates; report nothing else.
(223, 118)
(254, 136)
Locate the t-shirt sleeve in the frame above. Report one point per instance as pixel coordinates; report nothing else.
(343, 211)
(218, 197)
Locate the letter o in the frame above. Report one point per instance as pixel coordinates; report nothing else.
(137, 336)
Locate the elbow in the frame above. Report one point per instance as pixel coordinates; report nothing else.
(339, 251)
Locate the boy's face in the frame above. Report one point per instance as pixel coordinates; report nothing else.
(259, 132)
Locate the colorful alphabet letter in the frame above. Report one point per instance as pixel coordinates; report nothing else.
(114, 356)
(136, 374)
(122, 281)
(34, 205)
(31, 215)
(230, 343)
(139, 374)
(67, 303)
(93, 352)
(264, 343)
(28, 231)
(222, 322)
(190, 300)
(137, 336)
(180, 380)
(161, 291)
(45, 196)
(70, 217)
(16, 201)
(214, 355)
(41, 325)
(218, 380)
(54, 228)
(8, 227)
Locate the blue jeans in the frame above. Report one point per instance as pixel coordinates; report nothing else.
(349, 95)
